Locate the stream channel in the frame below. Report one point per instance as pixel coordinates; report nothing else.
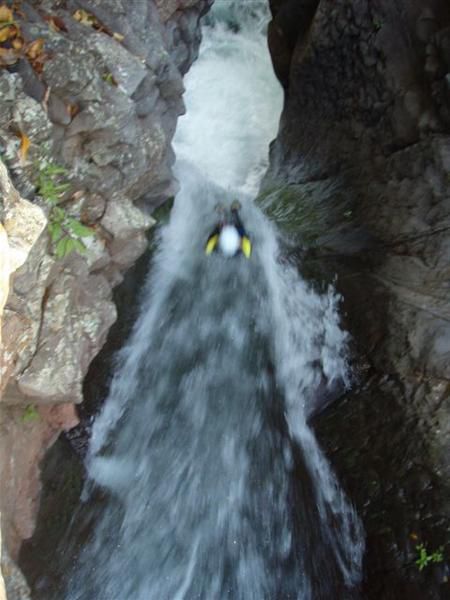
(213, 485)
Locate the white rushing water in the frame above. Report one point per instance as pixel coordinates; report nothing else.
(233, 102)
(214, 484)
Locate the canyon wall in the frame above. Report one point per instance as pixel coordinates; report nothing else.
(359, 181)
(90, 99)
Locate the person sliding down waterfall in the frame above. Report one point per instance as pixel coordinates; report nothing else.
(229, 235)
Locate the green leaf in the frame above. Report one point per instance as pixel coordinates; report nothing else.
(79, 229)
(55, 231)
(50, 182)
(30, 414)
(67, 245)
(438, 555)
(70, 246)
(61, 187)
(46, 188)
(109, 78)
(61, 247)
(52, 169)
(424, 558)
(79, 246)
(58, 214)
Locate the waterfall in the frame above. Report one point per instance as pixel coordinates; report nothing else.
(205, 480)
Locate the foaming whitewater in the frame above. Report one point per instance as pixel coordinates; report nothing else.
(233, 100)
(206, 481)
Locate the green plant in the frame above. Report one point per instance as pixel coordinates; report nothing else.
(377, 23)
(30, 414)
(66, 232)
(425, 558)
(109, 78)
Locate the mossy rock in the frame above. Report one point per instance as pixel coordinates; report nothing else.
(310, 214)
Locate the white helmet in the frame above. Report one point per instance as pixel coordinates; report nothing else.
(229, 240)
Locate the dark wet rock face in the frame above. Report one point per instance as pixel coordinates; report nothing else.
(359, 180)
(385, 455)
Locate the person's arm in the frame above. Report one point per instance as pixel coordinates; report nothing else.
(238, 223)
(211, 242)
